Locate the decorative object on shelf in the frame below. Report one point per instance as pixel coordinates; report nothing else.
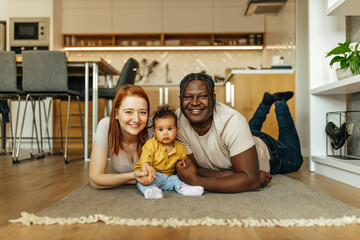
(145, 70)
(339, 127)
(338, 135)
(348, 58)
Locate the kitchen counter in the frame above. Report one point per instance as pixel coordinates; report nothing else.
(222, 83)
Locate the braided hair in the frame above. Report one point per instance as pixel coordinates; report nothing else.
(210, 87)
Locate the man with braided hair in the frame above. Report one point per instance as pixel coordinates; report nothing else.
(224, 154)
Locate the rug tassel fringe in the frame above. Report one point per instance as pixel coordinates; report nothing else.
(28, 219)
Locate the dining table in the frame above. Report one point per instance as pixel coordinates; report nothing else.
(88, 66)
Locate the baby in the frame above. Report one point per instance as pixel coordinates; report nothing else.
(160, 153)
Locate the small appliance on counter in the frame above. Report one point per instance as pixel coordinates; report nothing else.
(278, 63)
(29, 34)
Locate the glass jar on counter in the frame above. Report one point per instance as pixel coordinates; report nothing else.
(251, 39)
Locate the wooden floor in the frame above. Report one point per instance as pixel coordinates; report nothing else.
(34, 185)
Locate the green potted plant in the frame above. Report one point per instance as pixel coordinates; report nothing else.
(349, 60)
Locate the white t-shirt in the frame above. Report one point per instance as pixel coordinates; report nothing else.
(228, 136)
(119, 162)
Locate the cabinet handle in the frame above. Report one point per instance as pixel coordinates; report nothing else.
(161, 96)
(232, 90)
(166, 95)
(227, 92)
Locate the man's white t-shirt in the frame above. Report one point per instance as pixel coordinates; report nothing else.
(228, 136)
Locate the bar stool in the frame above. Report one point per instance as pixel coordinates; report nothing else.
(45, 75)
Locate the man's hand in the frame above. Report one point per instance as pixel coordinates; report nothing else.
(265, 179)
(186, 171)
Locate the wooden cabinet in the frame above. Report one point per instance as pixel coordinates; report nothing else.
(249, 90)
(160, 95)
(75, 141)
(220, 93)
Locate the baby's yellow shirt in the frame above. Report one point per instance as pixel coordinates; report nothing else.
(155, 153)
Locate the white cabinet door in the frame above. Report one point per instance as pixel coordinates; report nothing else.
(86, 4)
(4, 10)
(232, 19)
(188, 19)
(86, 20)
(136, 20)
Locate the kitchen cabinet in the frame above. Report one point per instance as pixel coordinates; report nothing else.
(162, 94)
(135, 20)
(75, 141)
(248, 88)
(90, 20)
(227, 19)
(194, 19)
(220, 93)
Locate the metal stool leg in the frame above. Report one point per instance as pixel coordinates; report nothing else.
(67, 129)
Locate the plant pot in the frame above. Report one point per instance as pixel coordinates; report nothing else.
(343, 73)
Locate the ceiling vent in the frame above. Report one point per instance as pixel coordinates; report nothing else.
(264, 7)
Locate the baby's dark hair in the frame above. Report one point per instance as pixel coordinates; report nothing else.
(164, 111)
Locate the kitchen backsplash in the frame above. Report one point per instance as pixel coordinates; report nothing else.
(181, 63)
(280, 35)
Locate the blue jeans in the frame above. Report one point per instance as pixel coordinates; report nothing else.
(285, 153)
(164, 182)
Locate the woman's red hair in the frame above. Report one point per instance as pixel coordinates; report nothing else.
(115, 138)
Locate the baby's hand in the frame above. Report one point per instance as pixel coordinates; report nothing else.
(149, 176)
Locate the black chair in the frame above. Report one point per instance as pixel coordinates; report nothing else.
(45, 75)
(127, 76)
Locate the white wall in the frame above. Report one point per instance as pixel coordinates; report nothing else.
(325, 32)
(302, 76)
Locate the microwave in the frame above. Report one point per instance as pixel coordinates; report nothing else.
(34, 32)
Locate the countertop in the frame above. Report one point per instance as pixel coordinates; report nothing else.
(222, 83)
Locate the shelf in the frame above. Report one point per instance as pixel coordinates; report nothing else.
(346, 171)
(344, 8)
(345, 86)
(164, 41)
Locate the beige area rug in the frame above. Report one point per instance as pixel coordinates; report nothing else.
(285, 202)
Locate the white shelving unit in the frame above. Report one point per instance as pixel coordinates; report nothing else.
(343, 7)
(326, 93)
(347, 171)
(345, 86)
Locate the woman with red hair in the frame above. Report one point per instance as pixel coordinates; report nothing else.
(121, 136)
